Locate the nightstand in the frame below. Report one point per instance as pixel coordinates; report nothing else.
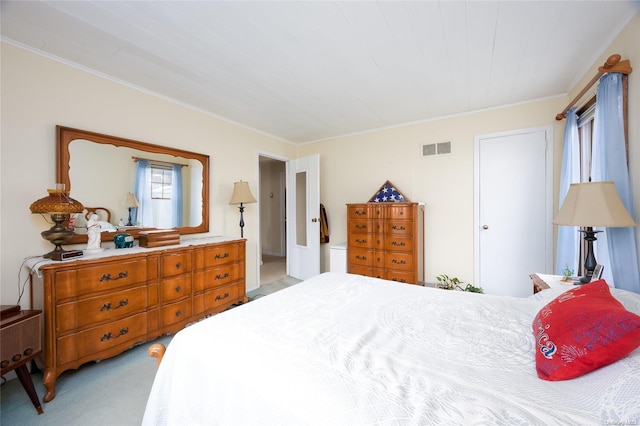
(21, 342)
(544, 281)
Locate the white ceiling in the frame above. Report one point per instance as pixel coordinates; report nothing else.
(308, 71)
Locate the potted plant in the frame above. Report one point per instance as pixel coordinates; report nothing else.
(453, 283)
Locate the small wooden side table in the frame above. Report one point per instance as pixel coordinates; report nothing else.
(21, 342)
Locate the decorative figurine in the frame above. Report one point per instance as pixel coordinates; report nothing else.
(93, 230)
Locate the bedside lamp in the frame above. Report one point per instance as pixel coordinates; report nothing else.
(58, 204)
(130, 202)
(592, 204)
(241, 195)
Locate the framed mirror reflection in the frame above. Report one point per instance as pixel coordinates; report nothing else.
(158, 187)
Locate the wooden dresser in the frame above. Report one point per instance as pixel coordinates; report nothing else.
(386, 240)
(99, 306)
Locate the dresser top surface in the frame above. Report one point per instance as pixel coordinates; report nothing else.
(36, 263)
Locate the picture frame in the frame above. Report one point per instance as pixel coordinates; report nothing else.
(597, 273)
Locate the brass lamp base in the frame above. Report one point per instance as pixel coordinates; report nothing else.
(57, 235)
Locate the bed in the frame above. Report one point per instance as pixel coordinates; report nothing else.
(342, 349)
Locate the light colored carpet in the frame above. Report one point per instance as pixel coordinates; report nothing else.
(110, 392)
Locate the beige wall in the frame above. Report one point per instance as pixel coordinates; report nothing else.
(39, 93)
(354, 167)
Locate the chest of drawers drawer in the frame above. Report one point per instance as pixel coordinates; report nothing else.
(216, 256)
(216, 277)
(74, 347)
(101, 278)
(175, 313)
(175, 288)
(175, 264)
(73, 316)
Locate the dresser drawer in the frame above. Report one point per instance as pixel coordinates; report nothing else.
(399, 260)
(399, 227)
(395, 242)
(360, 257)
(100, 309)
(364, 241)
(84, 281)
(402, 212)
(218, 255)
(220, 296)
(216, 277)
(408, 277)
(175, 264)
(94, 340)
(358, 211)
(176, 288)
(361, 226)
(175, 312)
(354, 268)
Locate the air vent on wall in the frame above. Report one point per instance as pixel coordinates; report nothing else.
(436, 149)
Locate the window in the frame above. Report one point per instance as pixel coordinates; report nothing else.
(161, 179)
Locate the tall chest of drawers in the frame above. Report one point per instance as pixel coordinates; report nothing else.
(98, 307)
(386, 240)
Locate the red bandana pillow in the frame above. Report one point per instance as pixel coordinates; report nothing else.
(582, 330)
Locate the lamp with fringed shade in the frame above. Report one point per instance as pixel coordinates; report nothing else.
(59, 205)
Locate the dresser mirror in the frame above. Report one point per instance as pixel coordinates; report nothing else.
(100, 170)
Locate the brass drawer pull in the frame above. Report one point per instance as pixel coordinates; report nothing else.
(358, 226)
(359, 241)
(107, 277)
(108, 306)
(223, 276)
(178, 313)
(399, 262)
(218, 297)
(360, 212)
(109, 336)
(396, 243)
(222, 256)
(399, 227)
(358, 257)
(178, 265)
(178, 288)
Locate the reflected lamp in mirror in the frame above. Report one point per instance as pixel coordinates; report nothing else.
(241, 195)
(59, 205)
(130, 202)
(588, 205)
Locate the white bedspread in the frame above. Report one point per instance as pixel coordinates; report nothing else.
(343, 349)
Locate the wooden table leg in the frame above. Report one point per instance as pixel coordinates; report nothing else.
(25, 378)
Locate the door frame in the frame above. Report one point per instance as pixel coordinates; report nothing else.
(549, 172)
(284, 159)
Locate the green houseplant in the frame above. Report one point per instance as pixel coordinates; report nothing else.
(453, 283)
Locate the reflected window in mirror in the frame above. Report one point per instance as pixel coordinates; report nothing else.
(159, 189)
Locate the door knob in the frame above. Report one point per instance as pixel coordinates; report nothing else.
(315, 219)
(485, 226)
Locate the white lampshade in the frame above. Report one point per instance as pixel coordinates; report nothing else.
(594, 204)
(241, 193)
(131, 201)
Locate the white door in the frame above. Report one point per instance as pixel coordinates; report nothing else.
(513, 209)
(303, 217)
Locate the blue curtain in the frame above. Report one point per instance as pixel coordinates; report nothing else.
(609, 162)
(141, 191)
(568, 236)
(176, 195)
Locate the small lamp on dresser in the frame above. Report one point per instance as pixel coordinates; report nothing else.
(59, 205)
(591, 204)
(130, 202)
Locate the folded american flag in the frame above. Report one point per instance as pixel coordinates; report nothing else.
(387, 194)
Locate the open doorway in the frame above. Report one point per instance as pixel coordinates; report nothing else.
(273, 246)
